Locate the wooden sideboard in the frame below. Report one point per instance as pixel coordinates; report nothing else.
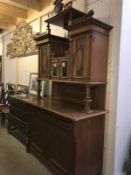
(66, 131)
(67, 140)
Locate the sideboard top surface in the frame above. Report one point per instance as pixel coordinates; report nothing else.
(64, 109)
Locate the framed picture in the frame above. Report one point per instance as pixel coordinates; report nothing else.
(22, 89)
(33, 84)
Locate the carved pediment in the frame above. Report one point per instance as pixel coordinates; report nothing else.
(22, 42)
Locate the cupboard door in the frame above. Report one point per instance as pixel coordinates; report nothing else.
(80, 56)
(38, 131)
(44, 61)
(64, 69)
(61, 151)
(59, 69)
(54, 69)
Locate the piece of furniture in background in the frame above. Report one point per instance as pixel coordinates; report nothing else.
(4, 103)
(0, 69)
(1, 89)
(4, 106)
(17, 121)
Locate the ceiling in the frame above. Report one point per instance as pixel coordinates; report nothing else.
(11, 10)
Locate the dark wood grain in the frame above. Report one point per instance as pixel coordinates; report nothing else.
(68, 141)
(89, 50)
(66, 131)
(49, 46)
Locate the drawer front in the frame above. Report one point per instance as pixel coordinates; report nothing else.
(17, 128)
(19, 104)
(61, 122)
(16, 122)
(18, 113)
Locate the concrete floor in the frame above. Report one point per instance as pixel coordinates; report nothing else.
(15, 161)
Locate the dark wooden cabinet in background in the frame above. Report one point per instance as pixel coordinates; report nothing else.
(66, 130)
(18, 120)
(0, 69)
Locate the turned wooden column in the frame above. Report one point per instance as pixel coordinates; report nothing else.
(87, 100)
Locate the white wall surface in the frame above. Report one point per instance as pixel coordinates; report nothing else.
(100, 7)
(79, 4)
(35, 25)
(112, 87)
(17, 70)
(123, 122)
(26, 65)
(9, 65)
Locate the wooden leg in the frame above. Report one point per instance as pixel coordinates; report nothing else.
(1, 121)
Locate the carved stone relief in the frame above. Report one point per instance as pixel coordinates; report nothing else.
(22, 42)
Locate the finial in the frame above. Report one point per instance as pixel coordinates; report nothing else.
(90, 13)
(48, 28)
(58, 6)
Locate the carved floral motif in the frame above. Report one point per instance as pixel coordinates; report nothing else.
(22, 43)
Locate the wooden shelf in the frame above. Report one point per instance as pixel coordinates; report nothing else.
(65, 18)
(80, 82)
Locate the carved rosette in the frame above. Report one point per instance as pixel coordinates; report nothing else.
(22, 42)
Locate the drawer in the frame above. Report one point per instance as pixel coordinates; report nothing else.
(60, 121)
(51, 118)
(16, 121)
(19, 104)
(18, 113)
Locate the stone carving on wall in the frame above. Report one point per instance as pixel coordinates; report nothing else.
(22, 43)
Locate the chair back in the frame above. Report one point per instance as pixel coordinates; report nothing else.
(5, 97)
(1, 91)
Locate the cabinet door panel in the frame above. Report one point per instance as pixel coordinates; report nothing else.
(38, 131)
(54, 69)
(44, 61)
(61, 151)
(79, 60)
(64, 69)
(80, 56)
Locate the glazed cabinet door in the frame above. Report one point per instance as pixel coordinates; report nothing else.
(80, 57)
(54, 69)
(44, 63)
(59, 69)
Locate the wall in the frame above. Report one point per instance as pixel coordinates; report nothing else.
(17, 70)
(117, 128)
(112, 88)
(26, 65)
(123, 121)
(9, 65)
(101, 9)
